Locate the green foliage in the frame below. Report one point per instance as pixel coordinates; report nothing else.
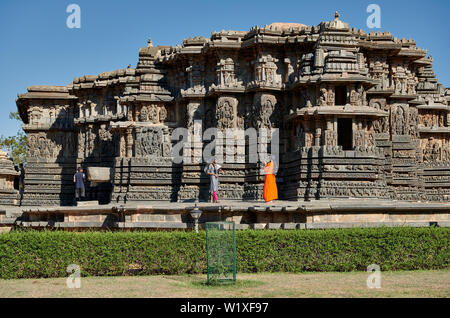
(32, 254)
(16, 145)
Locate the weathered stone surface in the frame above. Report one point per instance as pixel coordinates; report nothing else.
(307, 215)
(87, 203)
(360, 116)
(8, 195)
(99, 174)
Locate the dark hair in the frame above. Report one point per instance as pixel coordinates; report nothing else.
(79, 169)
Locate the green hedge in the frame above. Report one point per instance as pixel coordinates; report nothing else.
(31, 254)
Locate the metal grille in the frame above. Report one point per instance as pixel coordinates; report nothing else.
(221, 252)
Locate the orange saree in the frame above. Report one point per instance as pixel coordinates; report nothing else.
(270, 185)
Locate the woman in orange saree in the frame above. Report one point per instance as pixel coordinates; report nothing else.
(270, 185)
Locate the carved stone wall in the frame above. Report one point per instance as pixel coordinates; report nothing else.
(359, 115)
(8, 195)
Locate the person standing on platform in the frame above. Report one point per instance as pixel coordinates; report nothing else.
(270, 192)
(79, 179)
(213, 170)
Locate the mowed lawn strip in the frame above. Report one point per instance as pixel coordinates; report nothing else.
(267, 285)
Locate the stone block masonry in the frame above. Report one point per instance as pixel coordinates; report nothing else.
(287, 215)
(360, 115)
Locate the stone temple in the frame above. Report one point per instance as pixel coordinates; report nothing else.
(360, 115)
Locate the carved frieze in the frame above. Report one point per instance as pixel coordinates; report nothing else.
(148, 142)
(226, 112)
(50, 145)
(263, 114)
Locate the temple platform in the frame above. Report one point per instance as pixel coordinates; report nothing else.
(157, 215)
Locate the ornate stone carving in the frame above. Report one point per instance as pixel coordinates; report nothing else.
(262, 114)
(330, 138)
(225, 112)
(149, 142)
(44, 145)
(323, 96)
(355, 98)
(162, 114)
(330, 97)
(284, 77)
(266, 71)
(399, 121)
(431, 151)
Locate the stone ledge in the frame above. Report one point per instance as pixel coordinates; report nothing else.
(242, 226)
(256, 226)
(159, 225)
(5, 229)
(8, 220)
(87, 204)
(323, 225)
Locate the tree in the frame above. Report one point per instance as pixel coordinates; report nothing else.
(16, 145)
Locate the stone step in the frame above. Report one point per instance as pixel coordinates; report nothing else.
(87, 203)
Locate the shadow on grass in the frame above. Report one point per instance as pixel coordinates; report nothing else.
(202, 283)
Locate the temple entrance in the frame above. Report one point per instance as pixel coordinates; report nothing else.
(341, 95)
(345, 133)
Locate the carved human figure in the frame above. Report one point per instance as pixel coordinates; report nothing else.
(377, 126)
(330, 138)
(330, 97)
(399, 121)
(143, 116)
(427, 152)
(446, 151)
(225, 114)
(323, 96)
(397, 86)
(404, 85)
(32, 146)
(359, 136)
(354, 97)
(266, 112)
(153, 114)
(435, 152)
(162, 114)
(412, 119)
(149, 142)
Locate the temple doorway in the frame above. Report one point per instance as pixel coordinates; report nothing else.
(345, 133)
(341, 95)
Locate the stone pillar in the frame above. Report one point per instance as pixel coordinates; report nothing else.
(129, 142)
(317, 135)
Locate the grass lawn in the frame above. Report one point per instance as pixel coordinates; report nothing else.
(353, 284)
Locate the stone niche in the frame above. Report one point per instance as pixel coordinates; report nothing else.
(8, 195)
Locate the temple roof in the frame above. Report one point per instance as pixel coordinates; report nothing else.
(285, 26)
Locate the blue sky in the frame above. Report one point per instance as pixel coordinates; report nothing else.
(37, 48)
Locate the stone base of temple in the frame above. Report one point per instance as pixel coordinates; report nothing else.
(247, 215)
(5, 229)
(7, 220)
(9, 197)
